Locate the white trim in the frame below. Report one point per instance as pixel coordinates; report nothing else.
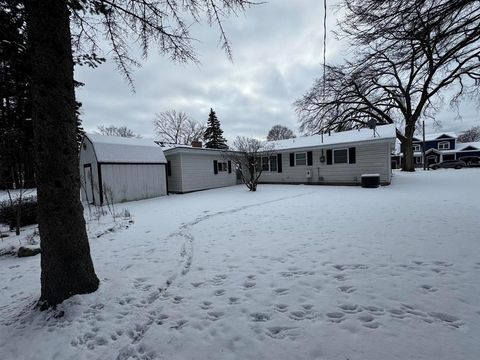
(416, 147)
(440, 147)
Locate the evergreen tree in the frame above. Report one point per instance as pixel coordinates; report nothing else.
(213, 136)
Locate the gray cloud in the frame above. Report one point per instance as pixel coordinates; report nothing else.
(277, 50)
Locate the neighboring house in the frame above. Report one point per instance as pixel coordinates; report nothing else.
(337, 159)
(193, 168)
(121, 169)
(438, 148)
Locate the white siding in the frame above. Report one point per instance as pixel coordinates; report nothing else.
(371, 157)
(175, 179)
(133, 181)
(196, 172)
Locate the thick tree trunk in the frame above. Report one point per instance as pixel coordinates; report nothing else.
(408, 163)
(67, 268)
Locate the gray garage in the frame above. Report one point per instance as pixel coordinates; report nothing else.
(121, 169)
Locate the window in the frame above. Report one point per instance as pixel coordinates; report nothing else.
(445, 145)
(418, 159)
(222, 166)
(269, 164)
(340, 156)
(416, 147)
(300, 159)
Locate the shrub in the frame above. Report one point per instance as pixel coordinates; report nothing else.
(28, 214)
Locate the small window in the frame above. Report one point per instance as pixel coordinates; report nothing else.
(222, 166)
(340, 156)
(418, 159)
(300, 159)
(416, 147)
(444, 145)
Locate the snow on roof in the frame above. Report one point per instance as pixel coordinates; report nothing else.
(126, 150)
(461, 146)
(381, 132)
(429, 137)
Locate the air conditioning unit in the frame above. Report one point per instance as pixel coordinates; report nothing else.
(309, 174)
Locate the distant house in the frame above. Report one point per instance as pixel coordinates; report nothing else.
(438, 147)
(121, 169)
(193, 168)
(340, 158)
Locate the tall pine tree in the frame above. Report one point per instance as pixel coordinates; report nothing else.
(213, 136)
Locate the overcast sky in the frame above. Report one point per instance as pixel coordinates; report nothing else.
(277, 50)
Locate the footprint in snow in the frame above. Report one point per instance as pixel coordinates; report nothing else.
(249, 284)
(428, 288)
(215, 315)
(233, 300)
(350, 308)
(336, 316)
(260, 317)
(281, 307)
(280, 291)
(347, 289)
(219, 292)
(206, 305)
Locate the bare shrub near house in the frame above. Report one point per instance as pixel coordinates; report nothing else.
(246, 155)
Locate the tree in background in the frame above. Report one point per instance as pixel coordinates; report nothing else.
(280, 132)
(16, 128)
(177, 128)
(121, 131)
(213, 135)
(247, 156)
(408, 53)
(66, 265)
(470, 135)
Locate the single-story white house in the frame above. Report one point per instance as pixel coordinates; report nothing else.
(340, 158)
(193, 168)
(121, 169)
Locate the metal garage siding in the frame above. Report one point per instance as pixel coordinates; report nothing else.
(134, 181)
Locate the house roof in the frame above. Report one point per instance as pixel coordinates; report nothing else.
(117, 149)
(430, 137)
(173, 149)
(463, 146)
(351, 136)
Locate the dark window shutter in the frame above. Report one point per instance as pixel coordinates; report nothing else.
(229, 167)
(309, 158)
(215, 166)
(169, 168)
(292, 159)
(329, 157)
(279, 163)
(352, 158)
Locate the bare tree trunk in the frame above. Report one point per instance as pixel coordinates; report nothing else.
(408, 163)
(67, 268)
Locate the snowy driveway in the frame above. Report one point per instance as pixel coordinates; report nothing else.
(289, 272)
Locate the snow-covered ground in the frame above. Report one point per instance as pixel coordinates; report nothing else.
(288, 272)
